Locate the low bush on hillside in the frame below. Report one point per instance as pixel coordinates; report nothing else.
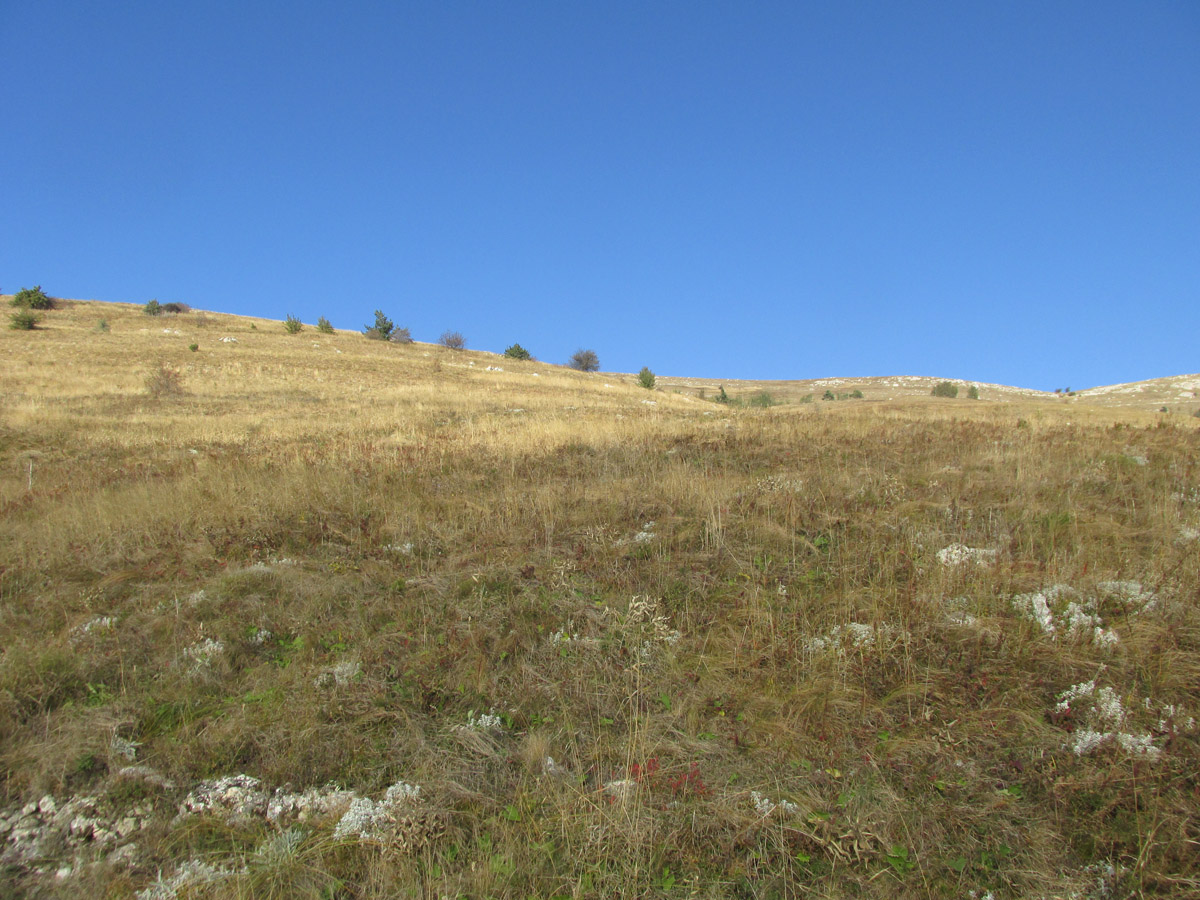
(516, 351)
(164, 381)
(400, 336)
(175, 309)
(23, 320)
(324, 326)
(32, 298)
(646, 378)
(152, 308)
(584, 361)
(761, 400)
(452, 340)
(292, 325)
(382, 329)
(945, 389)
(973, 392)
(849, 395)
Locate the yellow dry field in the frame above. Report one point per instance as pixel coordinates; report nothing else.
(308, 615)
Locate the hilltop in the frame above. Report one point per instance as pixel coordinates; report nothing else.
(309, 615)
(169, 335)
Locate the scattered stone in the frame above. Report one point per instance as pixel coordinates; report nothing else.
(148, 775)
(127, 826)
(961, 554)
(342, 674)
(367, 819)
(311, 804)
(234, 798)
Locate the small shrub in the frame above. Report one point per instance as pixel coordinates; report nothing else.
(382, 329)
(856, 394)
(646, 378)
(324, 326)
(807, 398)
(152, 308)
(973, 392)
(293, 325)
(828, 395)
(193, 347)
(721, 397)
(401, 336)
(452, 340)
(23, 320)
(516, 351)
(164, 381)
(945, 389)
(32, 298)
(176, 309)
(102, 326)
(584, 361)
(762, 400)
(1196, 414)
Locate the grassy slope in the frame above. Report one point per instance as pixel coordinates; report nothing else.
(385, 542)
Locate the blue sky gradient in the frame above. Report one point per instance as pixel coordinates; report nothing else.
(996, 192)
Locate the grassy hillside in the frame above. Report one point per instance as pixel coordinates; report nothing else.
(337, 618)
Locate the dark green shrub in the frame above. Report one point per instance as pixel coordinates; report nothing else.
(584, 361)
(945, 389)
(762, 400)
(721, 397)
(152, 308)
(102, 325)
(176, 309)
(23, 320)
(516, 351)
(646, 378)
(401, 336)
(452, 340)
(973, 392)
(193, 347)
(382, 329)
(293, 325)
(856, 394)
(324, 326)
(32, 298)
(828, 395)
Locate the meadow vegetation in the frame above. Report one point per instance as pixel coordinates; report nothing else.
(345, 618)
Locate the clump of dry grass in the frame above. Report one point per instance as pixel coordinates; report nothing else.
(164, 381)
(623, 650)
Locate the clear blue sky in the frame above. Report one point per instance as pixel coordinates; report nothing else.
(1006, 192)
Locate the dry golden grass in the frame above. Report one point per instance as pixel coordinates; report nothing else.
(324, 558)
